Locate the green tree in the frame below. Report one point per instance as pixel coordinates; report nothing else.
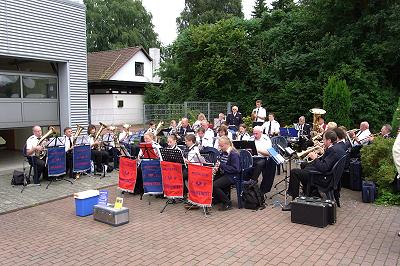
(259, 9)
(284, 5)
(396, 119)
(197, 12)
(337, 103)
(117, 24)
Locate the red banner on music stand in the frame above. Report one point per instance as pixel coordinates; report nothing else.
(172, 179)
(200, 185)
(127, 174)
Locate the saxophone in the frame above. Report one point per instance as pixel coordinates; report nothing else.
(43, 153)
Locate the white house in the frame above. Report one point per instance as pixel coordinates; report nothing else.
(116, 81)
(43, 77)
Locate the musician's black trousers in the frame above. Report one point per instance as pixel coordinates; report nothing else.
(297, 176)
(99, 158)
(268, 169)
(219, 186)
(69, 165)
(39, 168)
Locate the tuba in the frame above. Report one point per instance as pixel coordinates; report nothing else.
(317, 113)
(77, 133)
(97, 135)
(43, 153)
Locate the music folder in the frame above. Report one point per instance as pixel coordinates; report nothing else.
(276, 156)
(246, 145)
(148, 151)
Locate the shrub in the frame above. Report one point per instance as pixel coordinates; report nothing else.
(378, 166)
(396, 119)
(337, 103)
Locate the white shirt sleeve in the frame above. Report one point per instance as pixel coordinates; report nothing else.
(31, 142)
(276, 127)
(263, 113)
(396, 153)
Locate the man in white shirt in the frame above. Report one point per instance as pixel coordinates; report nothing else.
(205, 135)
(362, 136)
(243, 135)
(271, 127)
(32, 147)
(259, 114)
(262, 163)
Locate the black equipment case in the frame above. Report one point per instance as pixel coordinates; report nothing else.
(109, 215)
(313, 211)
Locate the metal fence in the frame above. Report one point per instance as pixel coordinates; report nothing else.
(166, 112)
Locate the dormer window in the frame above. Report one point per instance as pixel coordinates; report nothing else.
(139, 69)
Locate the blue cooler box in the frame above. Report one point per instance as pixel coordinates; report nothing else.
(85, 201)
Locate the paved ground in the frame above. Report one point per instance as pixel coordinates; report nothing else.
(51, 234)
(11, 197)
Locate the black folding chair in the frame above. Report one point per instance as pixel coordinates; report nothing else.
(329, 183)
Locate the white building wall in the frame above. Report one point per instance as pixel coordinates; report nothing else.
(51, 30)
(104, 108)
(127, 72)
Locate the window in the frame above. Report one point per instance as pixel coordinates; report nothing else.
(139, 69)
(10, 86)
(39, 87)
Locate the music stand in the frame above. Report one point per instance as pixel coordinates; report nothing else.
(175, 156)
(84, 140)
(288, 152)
(148, 151)
(53, 143)
(246, 145)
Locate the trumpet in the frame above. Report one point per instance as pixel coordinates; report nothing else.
(304, 154)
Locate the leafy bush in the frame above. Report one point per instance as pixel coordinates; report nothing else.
(396, 119)
(378, 166)
(337, 101)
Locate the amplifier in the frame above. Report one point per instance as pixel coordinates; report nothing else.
(313, 211)
(109, 215)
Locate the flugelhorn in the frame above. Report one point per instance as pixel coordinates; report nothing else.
(304, 154)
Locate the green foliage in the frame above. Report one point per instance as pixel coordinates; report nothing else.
(377, 162)
(337, 104)
(396, 119)
(286, 57)
(198, 12)
(259, 8)
(118, 24)
(249, 123)
(388, 197)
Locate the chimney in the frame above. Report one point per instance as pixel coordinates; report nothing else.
(155, 55)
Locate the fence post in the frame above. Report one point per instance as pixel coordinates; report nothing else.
(208, 110)
(185, 108)
(228, 107)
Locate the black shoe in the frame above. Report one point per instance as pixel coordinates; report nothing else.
(287, 207)
(225, 207)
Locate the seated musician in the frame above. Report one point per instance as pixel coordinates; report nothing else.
(69, 145)
(362, 136)
(32, 147)
(185, 128)
(226, 170)
(234, 119)
(321, 125)
(172, 128)
(192, 154)
(125, 133)
(152, 128)
(385, 132)
(341, 138)
(222, 131)
(196, 125)
(243, 135)
(271, 127)
(172, 142)
(219, 121)
(100, 157)
(262, 163)
(148, 138)
(202, 140)
(208, 133)
(331, 125)
(323, 164)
